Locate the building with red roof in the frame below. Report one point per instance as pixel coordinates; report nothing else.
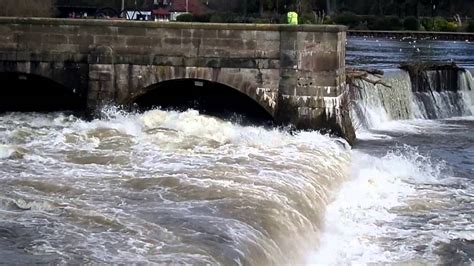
(171, 9)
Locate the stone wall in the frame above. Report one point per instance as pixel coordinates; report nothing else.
(313, 87)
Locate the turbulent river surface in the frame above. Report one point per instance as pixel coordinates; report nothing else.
(183, 187)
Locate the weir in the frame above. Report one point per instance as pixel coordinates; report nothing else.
(295, 73)
(416, 91)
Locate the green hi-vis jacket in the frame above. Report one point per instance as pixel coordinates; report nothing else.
(292, 18)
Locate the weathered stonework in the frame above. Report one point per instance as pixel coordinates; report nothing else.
(296, 73)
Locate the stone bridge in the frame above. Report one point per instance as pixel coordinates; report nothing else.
(295, 73)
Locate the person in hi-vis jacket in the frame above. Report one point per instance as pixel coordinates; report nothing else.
(292, 18)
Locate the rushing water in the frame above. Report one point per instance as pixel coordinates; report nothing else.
(182, 187)
(411, 196)
(161, 187)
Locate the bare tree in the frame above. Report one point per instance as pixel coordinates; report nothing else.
(27, 8)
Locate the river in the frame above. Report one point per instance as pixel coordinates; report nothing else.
(183, 187)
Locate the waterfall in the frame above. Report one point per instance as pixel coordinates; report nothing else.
(429, 94)
(466, 84)
(378, 103)
(442, 93)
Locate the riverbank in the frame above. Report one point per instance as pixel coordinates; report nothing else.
(462, 36)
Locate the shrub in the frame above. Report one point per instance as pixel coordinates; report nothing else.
(307, 18)
(387, 23)
(202, 18)
(451, 26)
(470, 26)
(428, 24)
(347, 18)
(369, 21)
(394, 23)
(227, 18)
(328, 20)
(314, 18)
(280, 19)
(260, 20)
(362, 26)
(440, 24)
(185, 18)
(218, 18)
(194, 18)
(411, 23)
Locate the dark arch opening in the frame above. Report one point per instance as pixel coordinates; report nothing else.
(31, 93)
(207, 97)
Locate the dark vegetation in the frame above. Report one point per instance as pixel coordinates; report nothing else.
(470, 27)
(370, 22)
(115, 4)
(430, 15)
(27, 8)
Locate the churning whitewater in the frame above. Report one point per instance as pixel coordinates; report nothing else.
(411, 194)
(377, 104)
(182, 187)
(163, 187)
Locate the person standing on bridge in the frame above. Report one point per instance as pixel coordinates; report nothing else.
(292, 17)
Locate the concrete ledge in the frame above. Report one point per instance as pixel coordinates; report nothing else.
(172, 25)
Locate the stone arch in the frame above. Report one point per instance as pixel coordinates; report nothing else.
(143, 79)
(23, 90)
(208, 97)
(72, 76)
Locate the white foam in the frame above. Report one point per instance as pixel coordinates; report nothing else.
(275, 182)
(9, 151)
(362, 218)
(190, 124)
(364, 134)
(6, 151)
(408, 126)
(377, 107)
(462, 118)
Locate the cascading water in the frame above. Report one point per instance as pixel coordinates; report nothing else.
(410, 197)
(466, 85)
(411, 194)
(168, 187)
(437, 94)
(161, 187)
(374, 104)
